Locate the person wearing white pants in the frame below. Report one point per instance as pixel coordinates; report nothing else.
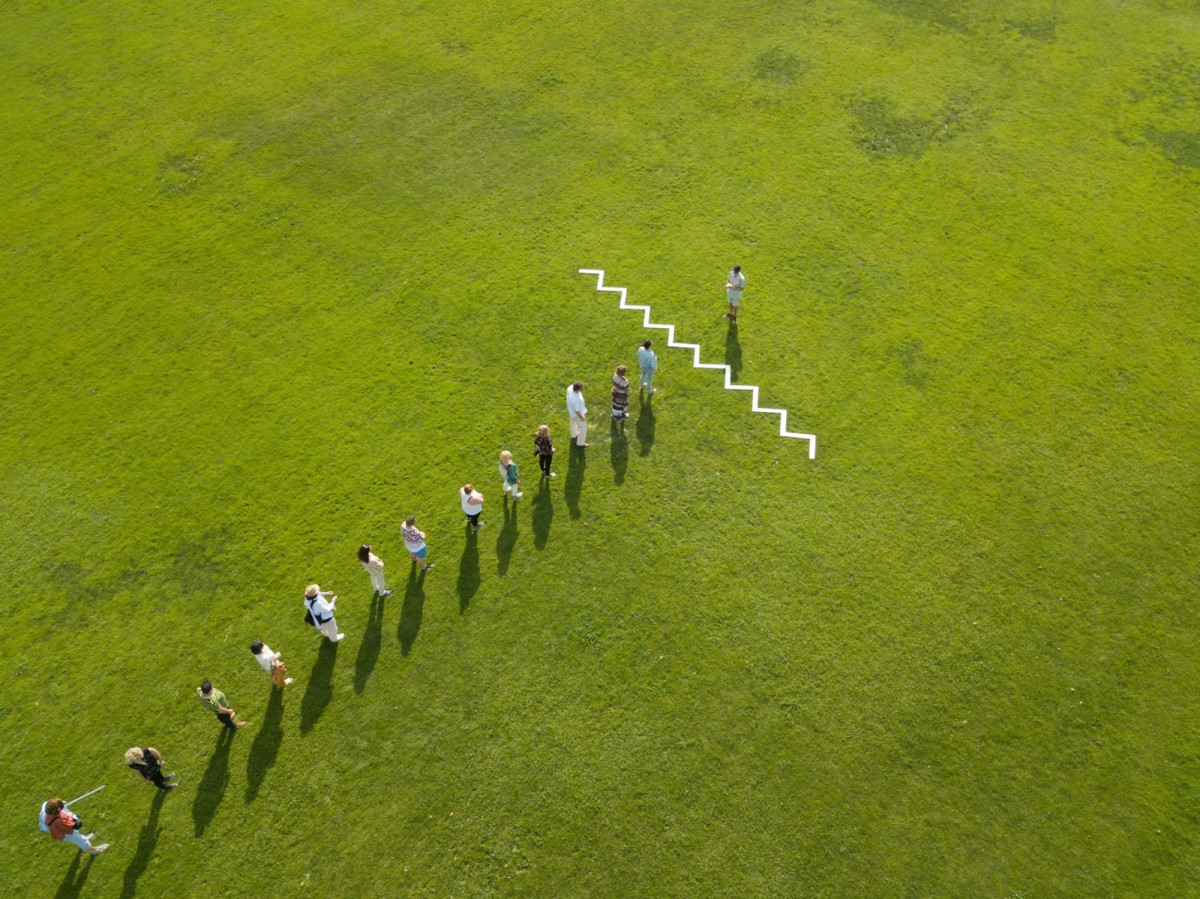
(577, 410)
(321, 610)
(57, 820)
(374, 566)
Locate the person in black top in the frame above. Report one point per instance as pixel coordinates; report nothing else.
(148, 763)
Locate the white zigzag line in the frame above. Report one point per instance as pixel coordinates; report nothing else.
(695, 348)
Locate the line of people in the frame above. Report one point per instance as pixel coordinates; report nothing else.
(57, 819)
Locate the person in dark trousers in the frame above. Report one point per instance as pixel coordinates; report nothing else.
(545, 449)
(148, 762)
(215, 702)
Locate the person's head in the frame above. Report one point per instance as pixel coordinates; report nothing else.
(621, 369)
(135, 756)
(206, 687)
(256, 647)
(364, 553)
(311, 591)
(468, 489)
(736, 269)
(411, 520)
(506, 457)
(647, 344)
(577, 386)
(543, 430)
(54, 806)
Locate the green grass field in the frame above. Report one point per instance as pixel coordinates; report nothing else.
(277, 276)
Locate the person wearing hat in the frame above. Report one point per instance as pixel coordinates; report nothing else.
(735, 283)
(58, 821)
(321, 610)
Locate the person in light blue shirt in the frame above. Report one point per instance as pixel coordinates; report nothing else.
(648, 362)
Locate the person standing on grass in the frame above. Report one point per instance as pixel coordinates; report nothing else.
(734, 285)
(414, 542)
(62, 825)
(215, 701)
(148, 762)
(271, 663)
(320, 606)
(620, 394)
(374, 567)
(648, 363)
(577, 410)
(545, 449)
(512, 478)
(472, 505)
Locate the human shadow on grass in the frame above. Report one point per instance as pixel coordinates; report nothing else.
(368, 650)
(468, 570)
(543, 514)
(576, 463)
(412, 611)
(147, 840)
(319, 690)
(506, 540)
(265, 748)
(618, 451)
(76, 876)
(211, 789)
(645, 425)
(733, 352)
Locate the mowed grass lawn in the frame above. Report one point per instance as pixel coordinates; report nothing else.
(277, 275)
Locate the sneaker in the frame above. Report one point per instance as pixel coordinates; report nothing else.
(552, 475)
(96, 850)
(340, 638)
(385, 593)
(478, 526)
(242, 724)
(584, 445)
(427, 567)
(518, 495)
(288, 680)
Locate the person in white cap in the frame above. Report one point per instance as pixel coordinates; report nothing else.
(320, 606)
(735, 283)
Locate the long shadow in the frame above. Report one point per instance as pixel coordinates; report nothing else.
(543, 514)
(733, 352)
(320, 687)
(211, 789)
(506, 540)
(618, 451)
(147, 840)
(645, 425)
(372, 640)
(412, 611)
(468, 571)
(576, 463)
(76, 876)
(265, 748)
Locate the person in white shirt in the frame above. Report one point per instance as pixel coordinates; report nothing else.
(414, 542)
(734, 285)
(648, 363)
(577, 411)
(321, 610)
(374, 567)
(271, 663)
(472, 505)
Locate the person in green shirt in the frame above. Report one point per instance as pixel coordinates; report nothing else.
(215, 701)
